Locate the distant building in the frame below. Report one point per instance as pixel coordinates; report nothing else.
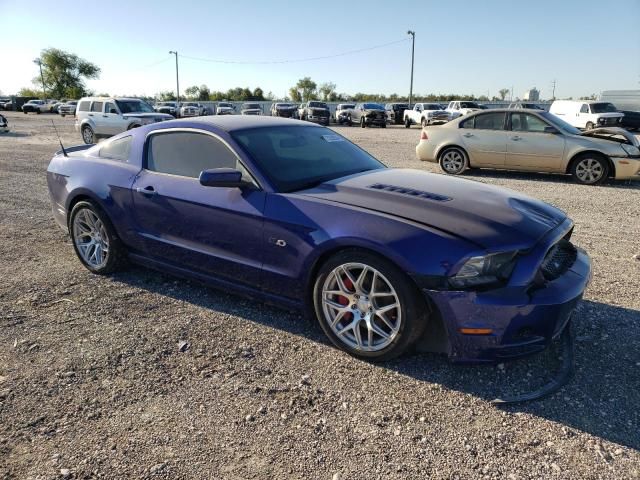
(532, 95)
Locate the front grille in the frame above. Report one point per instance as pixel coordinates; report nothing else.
(558, 260)
(320, 113)
(609, 121)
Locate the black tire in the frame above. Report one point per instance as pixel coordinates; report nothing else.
(590, 169)
(116, 255)
(363, 123)
(407, 123)
(589, 126)
(423, 122)
(62, 115)
(384, 125)
(349, 121)
(413, 310)
(88, 137)
(453, 160)
(25, 112)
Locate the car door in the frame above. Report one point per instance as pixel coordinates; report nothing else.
(112, 120)
(95, 114)
(583, 116)
(530, 147)
(214, 230)
(485, 139)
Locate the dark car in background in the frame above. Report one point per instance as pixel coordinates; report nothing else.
(367, 114)
(292, 213)
(395, 112)
(287, 110)
(627, 102)
(316, 112)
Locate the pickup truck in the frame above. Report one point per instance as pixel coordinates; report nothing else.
(314, 111)
(457, 109)
(425, 114)
(343, 113)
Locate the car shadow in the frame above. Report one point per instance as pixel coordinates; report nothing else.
(633, 183)
(14, 134)
(602, 398)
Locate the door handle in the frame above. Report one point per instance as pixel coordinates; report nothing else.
(516, 138)
(147, 190)
(468, 135)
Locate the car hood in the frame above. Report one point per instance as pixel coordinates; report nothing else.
(602, 133)
(491, 217)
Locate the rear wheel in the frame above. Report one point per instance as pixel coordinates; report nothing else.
(88, 136)
(384, 125)
(589, 126)
(590, 169)
(363, 124)
(407, 123)
(62, 115)
(367, 306)
(453, 161)
(94, 238)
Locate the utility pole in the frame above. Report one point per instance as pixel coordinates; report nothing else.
(38, 61)
(553, 95)
(413, 43)
(177, 85)
(511, 93)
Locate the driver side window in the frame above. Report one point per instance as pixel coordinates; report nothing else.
(188, 153)
(110, 108)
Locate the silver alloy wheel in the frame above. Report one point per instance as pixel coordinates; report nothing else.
(87, 135)
(361, 307)
(452, 161)
(90, 238)
(589, 170)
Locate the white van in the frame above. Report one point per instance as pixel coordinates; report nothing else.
(587, 114)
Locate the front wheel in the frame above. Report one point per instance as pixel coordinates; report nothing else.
(453, 161)
(363, 124)
(349, 121)
(62, 115)
(367, 306)
(590, 169)
(424, 122)
(94, 238)
(589, 126)
(88, 136)
(407, 123)
(384, 125)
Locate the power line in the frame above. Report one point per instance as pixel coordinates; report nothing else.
(299, 60)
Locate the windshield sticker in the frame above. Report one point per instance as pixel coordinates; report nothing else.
(332, 138)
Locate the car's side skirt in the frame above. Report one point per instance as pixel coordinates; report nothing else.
(216, 282)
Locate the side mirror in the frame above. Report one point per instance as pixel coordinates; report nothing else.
(222, 177)
(552, 130)
(113, 110)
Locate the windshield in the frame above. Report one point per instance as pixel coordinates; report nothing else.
(283, 105)
(345, 107)
(250, 105)
(432, 106)
(558, 122)
(299, 157)
(372, 106)
(167, 104)
(189, 104)
(228, 105)
(318, 104)
(603, 107)
(469, 105)
(133, 106)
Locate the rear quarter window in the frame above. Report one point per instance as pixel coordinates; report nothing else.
(116, 149)
(84, 106)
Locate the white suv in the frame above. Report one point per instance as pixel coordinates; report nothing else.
(104, 116)
(460, 108)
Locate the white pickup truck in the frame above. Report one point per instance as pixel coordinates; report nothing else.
(457, 109)
(425, 114)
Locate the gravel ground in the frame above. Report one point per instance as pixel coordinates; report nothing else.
(96, 380)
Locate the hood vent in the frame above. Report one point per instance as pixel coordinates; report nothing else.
(410, 192)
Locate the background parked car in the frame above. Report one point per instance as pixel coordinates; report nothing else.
(54, 105)
(68, 108)
(250, 109)
(628, 103)
(343, 113)
(107, 116)
(35, 106)
(587, 114)
(532, 106)
(316, 112)
(170, 108)
(530, 140)
(4, 124)
(288, 110)
(459, 108)
(395, 112)
(225, 108)
(367, 114)
(425, 114)
(191, 109)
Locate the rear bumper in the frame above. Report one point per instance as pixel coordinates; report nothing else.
(426, 151)
(522, 321)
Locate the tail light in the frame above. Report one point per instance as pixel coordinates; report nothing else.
(423, 135)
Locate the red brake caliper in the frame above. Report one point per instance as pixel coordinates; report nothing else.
(344, 300)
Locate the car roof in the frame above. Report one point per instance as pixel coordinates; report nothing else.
(230, 123)
(111, 98)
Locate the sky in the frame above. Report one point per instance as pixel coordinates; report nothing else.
(461, 46)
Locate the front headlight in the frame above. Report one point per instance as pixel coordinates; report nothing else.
(630, 149)
(484, 270)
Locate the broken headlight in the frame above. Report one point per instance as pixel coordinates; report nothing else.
(485, 270)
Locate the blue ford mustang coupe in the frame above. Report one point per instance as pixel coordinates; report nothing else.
(292, 213)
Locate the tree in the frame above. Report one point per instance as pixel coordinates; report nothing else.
(192, 92)
(64, 73)
(306, 89)
(296, 97)
(326, 89)
(503, 93)
(203, 93)
(258, 94)
(30, 92)
(168, 96)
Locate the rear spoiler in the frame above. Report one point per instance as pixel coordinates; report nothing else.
(77, 148)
